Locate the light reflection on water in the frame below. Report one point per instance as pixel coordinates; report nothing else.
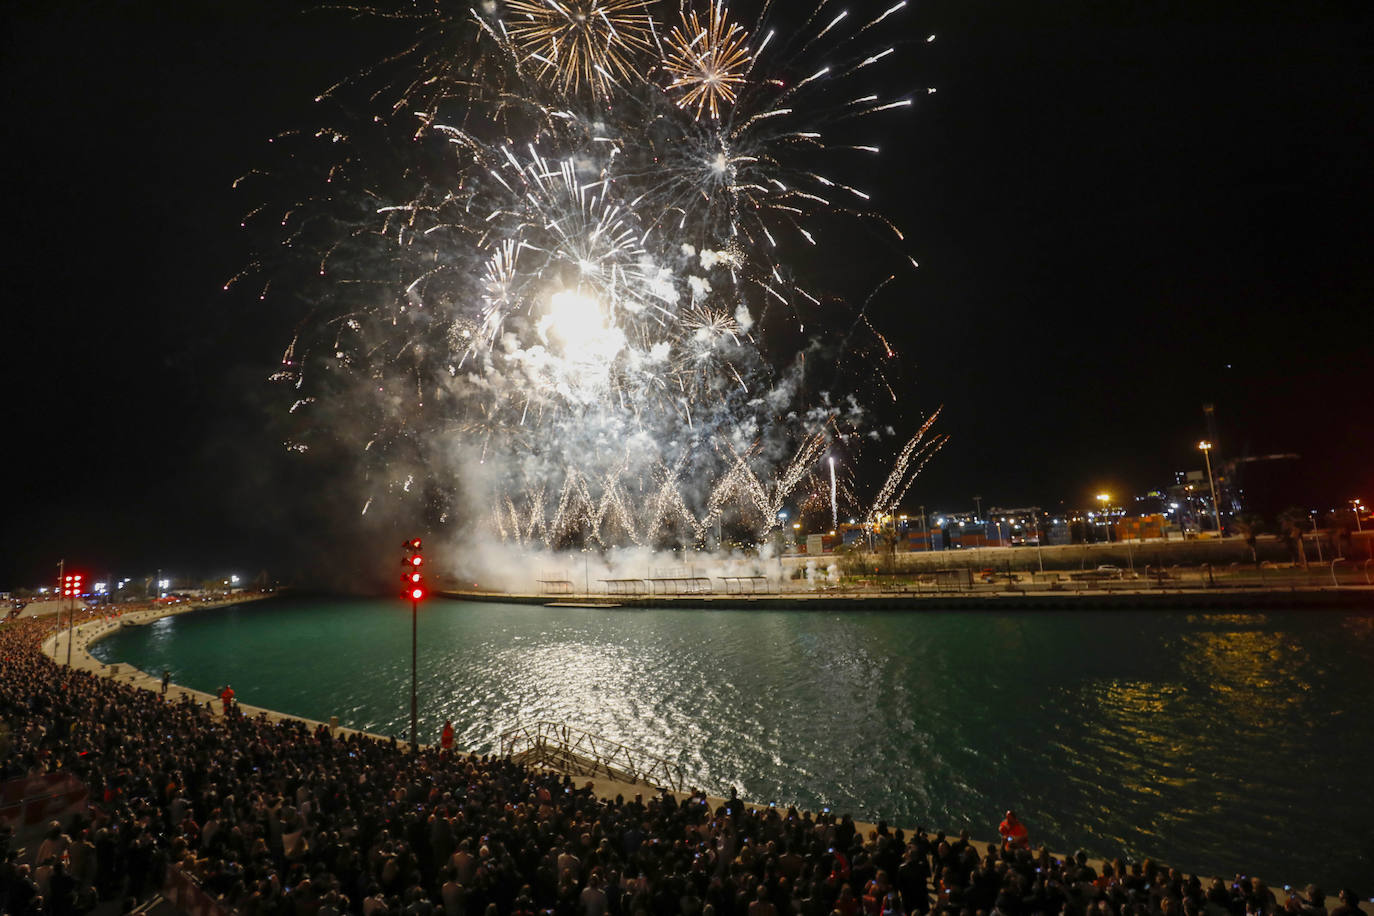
(1200, 739)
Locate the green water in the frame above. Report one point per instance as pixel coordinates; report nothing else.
(1236, 743)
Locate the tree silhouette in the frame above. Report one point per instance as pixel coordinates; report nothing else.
(1294, 523)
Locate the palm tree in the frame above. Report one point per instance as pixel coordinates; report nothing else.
(1248, 526)
(1341, 523)
(1293, 522)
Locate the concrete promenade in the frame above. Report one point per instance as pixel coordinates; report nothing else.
(88, 633)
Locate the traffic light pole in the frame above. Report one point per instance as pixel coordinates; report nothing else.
(414, 705)
(71, 624)
(415, 590)
(61, 568)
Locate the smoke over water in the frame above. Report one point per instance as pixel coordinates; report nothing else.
(561, 277)
(490, 564)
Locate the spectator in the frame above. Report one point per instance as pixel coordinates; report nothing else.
(1014, 833)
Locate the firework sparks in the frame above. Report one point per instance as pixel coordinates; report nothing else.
(581, 44)
(550, 272)
(707, 62)
(910, 461)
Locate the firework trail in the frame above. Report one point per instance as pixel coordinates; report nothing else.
(834, 504)
(910, 461)
(543, 275)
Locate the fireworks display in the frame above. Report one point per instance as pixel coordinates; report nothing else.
(560, 280)
(588, 44)
(707, 63)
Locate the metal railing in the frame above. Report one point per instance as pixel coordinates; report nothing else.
(579, 753)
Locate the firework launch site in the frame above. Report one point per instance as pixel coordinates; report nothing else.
(1222, 573)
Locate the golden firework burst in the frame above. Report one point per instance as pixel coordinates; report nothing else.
(581, 43)
(706, 62)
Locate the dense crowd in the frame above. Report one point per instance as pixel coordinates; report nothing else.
(278, 818)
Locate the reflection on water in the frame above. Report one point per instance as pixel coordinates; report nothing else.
(1259, 678)
(1198, 739)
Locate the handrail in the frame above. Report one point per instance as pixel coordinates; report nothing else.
(1333, 570)
(581, 753)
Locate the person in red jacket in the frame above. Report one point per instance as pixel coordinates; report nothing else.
(227, 698)
(446, 737)
(1014, 833)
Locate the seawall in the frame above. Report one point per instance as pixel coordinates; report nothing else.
(1192, 599)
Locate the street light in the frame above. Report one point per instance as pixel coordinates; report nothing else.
(1207, 454)
(1104, 498)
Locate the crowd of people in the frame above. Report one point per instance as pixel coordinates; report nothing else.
(274, 817)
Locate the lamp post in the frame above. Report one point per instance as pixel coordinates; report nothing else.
(1105, 498)
(1355, 504)
(1207, 454)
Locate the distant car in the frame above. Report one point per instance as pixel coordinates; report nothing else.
(1108, 571)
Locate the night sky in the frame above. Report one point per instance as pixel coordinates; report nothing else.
(1121, 211)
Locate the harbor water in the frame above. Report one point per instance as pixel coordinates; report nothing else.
(1221, 743)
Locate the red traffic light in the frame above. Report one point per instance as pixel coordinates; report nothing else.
(70, 585)
(415, 589)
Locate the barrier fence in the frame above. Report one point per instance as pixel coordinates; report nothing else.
(579, 753)
(181, 891)
(30, 802)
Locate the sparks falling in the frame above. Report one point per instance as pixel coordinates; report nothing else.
(544, 276)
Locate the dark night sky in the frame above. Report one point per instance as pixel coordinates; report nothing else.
(1121, 211)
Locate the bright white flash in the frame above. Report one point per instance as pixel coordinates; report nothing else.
(575, 319)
